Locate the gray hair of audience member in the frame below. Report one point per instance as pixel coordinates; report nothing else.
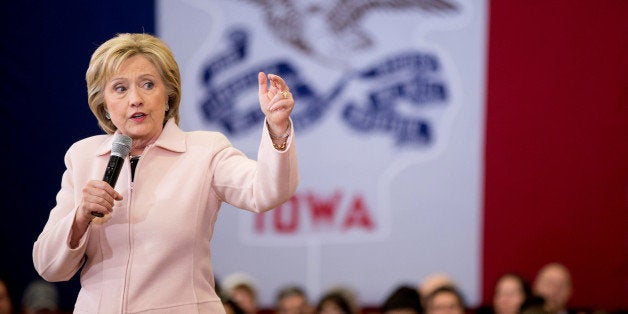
(41, 295)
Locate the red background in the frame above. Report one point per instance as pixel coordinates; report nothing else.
(556, 156)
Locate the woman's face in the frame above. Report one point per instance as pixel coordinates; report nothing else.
(136, 98)
(508, 296)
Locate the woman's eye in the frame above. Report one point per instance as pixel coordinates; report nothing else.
(119, 88)
(149, 85)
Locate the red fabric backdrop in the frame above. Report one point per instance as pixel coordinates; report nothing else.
(556, 180)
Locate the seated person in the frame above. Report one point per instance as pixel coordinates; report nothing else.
(445, 300)
(333, 302)
(403, 300)
(553, 283)
(239, 288)
(6, 305)
(292, 300)
(432, 282)
(511, 290)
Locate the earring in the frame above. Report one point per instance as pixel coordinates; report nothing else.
(107, 115)
(167, 107)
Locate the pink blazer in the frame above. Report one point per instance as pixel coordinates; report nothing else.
(152, 254)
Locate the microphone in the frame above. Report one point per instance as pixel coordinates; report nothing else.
(120, 148)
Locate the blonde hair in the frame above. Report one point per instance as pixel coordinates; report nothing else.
(106, 61)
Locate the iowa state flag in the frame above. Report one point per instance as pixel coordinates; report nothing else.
(434, 136)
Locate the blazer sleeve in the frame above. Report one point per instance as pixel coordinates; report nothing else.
(260, 185)
(53, 258)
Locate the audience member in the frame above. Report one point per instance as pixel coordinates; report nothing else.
(403, 300)
(553, 283)
(445, 300)
(231, 307)
(511, 291)
(6, 305)
(292, 300)
(40, 297)
(334, 302)
(241, 289)
(434, 281)
(349, 295)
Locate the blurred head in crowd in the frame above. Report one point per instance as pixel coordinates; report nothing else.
(434, 281)
(240, 288)
(231, 307)
(444, 300)
(403, 300)
(333, 303)
(511, 290)
(6, 305)
(349, 295)
(40, 297)
(292, 300)
(553, 283)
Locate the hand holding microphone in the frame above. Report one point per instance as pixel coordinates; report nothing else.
(120, 148)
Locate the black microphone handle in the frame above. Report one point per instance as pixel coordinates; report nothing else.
(111, 174)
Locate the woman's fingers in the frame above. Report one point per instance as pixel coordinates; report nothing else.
(98, 198)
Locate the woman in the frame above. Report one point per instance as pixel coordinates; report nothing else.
(511, 290)
(150, 252)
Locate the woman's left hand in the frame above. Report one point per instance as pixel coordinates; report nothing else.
(276, 102)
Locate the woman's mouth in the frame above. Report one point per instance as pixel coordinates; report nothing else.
(138, 117)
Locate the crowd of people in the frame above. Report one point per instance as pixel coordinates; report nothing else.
(438, 293)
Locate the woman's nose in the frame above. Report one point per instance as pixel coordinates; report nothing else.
(135, 98)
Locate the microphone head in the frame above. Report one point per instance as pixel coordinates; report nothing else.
(121, 145)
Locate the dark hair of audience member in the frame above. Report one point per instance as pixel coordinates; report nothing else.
(533, 305)
(403, 297)
(231, 307)
(337, 299)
